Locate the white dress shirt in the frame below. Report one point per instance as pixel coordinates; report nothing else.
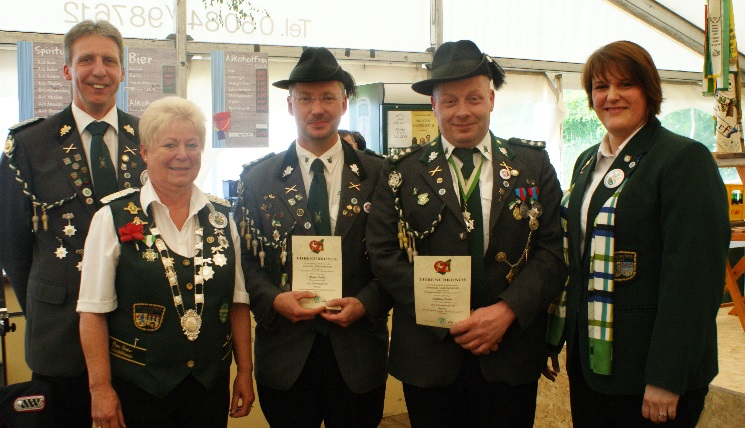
(605, 160)
(111, 137)
(486, 179)
(333, 163)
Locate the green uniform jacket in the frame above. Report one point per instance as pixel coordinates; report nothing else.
(672, 235)
(272, 196)
(49, 159)
(427, 356)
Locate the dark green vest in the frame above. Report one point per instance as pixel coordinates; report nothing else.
(147, 345)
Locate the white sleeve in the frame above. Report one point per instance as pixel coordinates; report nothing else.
(100, 259)
(240, 295)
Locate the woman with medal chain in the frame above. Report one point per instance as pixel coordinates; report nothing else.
(163, 305)
(646, 241)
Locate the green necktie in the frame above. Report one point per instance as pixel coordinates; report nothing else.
(318, 200)
(318, 203)
(479, 292)
(102, 169)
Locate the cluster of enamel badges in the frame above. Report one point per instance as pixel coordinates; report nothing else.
(525, 207)
(80, 173)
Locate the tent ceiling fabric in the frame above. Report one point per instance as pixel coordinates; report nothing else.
(566, 31)
(537, 30)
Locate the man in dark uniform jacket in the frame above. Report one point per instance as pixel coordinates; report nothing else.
(314, 365)
(503, 211)
(49, 192)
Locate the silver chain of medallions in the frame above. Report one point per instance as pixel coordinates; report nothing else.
(191, 319)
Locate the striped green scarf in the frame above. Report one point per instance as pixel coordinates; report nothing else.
(600, 287)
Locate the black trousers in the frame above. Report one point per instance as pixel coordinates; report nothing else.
(472, 401)
(69, 400)
(320, 394)
(592, 409)
(189, 405)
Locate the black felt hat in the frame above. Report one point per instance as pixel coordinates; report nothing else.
(317, 65)
(459, 60)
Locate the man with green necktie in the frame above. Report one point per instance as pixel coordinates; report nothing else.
(314, 365)
(52, 177)
(469, 193)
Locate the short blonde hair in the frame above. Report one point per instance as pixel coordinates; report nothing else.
(162, 113)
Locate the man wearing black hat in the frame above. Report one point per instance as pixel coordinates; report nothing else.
(314, 365)
(469, 193)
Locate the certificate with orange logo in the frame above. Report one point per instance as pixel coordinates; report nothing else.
(442, 289)
(316, 267)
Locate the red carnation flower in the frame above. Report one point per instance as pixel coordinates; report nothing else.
(131, 232)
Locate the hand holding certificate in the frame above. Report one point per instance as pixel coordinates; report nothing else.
(317, 267)
(442, 289)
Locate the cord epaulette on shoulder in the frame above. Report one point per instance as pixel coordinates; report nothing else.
(374, 153)
(398, 157)
(217, 200)
(527, 143)
(25, 124)
(118, 195)
(247, 167)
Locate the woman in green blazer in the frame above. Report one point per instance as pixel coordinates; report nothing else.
(646, 240)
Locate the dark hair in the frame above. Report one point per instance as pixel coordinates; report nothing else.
(624, 59)
(360, 140)
(350, 87)
(87, 28)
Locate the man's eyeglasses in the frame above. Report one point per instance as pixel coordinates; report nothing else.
(309, 100)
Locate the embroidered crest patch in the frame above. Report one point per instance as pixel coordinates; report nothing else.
(625, 265)
(148, 317)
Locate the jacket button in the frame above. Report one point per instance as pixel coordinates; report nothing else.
(189, 286)
(190, 364)
(187, 262)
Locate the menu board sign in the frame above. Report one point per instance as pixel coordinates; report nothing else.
(51, 89)
(244, 120)
(151, 75)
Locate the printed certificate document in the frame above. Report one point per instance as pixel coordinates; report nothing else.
(316, 267)
(442, 289)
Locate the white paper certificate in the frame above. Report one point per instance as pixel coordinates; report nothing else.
(316, 267)
(442, 289)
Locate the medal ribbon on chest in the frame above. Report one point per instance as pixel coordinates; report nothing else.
(466, 189)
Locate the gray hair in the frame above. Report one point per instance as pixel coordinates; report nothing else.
(98, 28)
(162, 113)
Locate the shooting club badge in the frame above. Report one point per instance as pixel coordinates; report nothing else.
(148, 317)
(613, 178)
(624, 265)
(218, 220)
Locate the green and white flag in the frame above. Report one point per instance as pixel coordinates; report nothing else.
(722, 74)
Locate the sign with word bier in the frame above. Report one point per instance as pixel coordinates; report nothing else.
(150, 75)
